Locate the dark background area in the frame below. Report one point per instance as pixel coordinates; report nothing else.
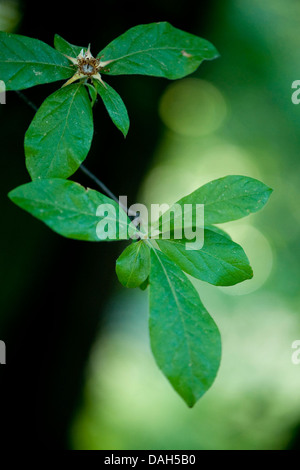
(53, 288)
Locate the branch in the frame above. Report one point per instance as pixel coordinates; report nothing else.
(101, 185)
(27, 101)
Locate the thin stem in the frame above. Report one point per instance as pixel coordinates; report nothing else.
(99, 183)
(26, 100)
(82, 167)
(106, 190)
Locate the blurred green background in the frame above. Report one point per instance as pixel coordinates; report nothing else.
(233, 116)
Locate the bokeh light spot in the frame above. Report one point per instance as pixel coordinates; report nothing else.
(192, 107)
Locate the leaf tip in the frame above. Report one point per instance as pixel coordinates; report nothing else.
(268, 192)
(217, 54)
(191, 404)
(189, 399)
(125, 132)
(10, 195)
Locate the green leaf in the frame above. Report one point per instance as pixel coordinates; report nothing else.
(189, 227)
(60, 134)
(92, 92)
(224, 199)
(229, 198)
(145, 284)
(157, 49)
(114, 105)
(65, 47)
(133, 266)
(184, 338)
(217, 230)
(220, 261)
(71, 210)
(26, 62)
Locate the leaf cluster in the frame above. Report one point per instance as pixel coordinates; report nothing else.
(184, 338)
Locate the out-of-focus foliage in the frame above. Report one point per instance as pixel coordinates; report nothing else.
(236, 119)
(9, 15)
